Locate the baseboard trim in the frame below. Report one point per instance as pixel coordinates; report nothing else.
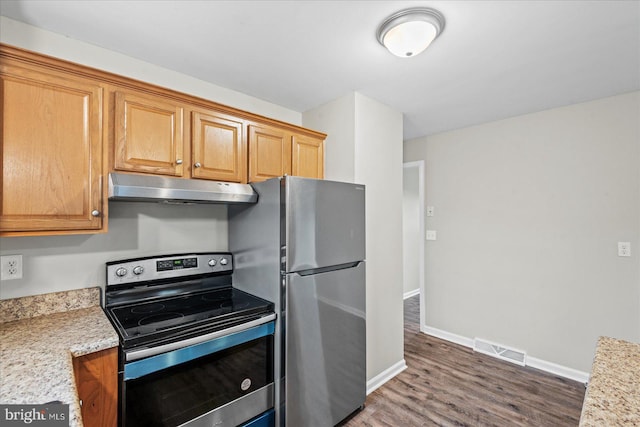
(384, 376)
(554, 368)
(411, 293)
(543, 365)
(448, 336)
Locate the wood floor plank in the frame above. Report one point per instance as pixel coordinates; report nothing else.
(446, 384)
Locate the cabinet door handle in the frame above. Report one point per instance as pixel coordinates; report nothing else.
(95, 212)
(179, 162)
(197, 165)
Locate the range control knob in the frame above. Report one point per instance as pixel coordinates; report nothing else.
(138, 270)
(212, 262)
(121, 272)
(224, 261)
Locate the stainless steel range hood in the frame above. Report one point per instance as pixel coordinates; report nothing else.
(153, 188)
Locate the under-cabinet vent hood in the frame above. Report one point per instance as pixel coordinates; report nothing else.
(153, 188)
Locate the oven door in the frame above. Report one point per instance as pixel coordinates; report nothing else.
(223, 381)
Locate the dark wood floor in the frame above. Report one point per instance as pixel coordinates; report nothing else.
(449, 385)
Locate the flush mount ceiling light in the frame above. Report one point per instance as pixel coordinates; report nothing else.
(410, 31)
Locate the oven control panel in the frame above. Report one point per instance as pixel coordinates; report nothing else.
(176, 264)
(173, 266)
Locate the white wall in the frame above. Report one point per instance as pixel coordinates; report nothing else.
(59, 263)
(368, 150)
(336, 119)
(411, 236)
(56, 263)
(25, 36)
(529, 211)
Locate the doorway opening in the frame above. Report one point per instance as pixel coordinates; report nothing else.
(413, 239)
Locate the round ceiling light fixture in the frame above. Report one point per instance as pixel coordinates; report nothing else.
(408, 32)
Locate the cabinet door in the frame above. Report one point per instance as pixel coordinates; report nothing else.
(148, 135)
(97, 383)
(269, 153)
(50, 151)
(307, 157)
(217, 148)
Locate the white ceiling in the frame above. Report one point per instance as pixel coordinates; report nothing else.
(495, 59)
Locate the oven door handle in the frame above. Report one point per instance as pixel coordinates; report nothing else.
(152, 351)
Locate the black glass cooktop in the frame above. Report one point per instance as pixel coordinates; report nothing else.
(202, 309)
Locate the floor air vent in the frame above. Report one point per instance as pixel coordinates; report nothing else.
(496, 350)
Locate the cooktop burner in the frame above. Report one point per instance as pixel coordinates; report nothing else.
(211, 306)
(148, 308)
(160, 317)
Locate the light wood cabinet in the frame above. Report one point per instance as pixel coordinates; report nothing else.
(64, 126)
(217, 148)
(269, 152)
(96, 376)
(307, 156)
(148, 134)
(150, 137)
(275, 151)
(51, 151)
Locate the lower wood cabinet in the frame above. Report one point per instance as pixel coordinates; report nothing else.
(96, 377)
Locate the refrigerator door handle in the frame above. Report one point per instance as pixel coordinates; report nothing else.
(283, 258)
(313, 271)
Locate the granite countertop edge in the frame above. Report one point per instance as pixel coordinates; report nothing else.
(36, 352)
(613, 393)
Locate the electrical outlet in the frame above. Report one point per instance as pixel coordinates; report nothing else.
(11, 267)
(430, 210)
(624, 248)
(431, 235)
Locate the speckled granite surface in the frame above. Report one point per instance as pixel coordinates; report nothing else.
(613, 394)
(36, 354)
(56, 302)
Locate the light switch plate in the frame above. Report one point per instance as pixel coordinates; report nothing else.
(431, 235)
(430, 210)
(624, 248)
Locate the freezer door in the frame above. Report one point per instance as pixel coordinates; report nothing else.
(324, 223)
(325, 359)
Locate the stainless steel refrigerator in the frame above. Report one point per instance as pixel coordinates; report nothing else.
(302, 246)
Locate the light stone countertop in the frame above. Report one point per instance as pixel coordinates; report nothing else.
(613, 393)
(36, 353)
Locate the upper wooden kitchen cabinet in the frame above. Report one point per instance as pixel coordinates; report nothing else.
(307, 156)
(148, 132)
(275, 151)
(269, 152)
(51, 150)
(64, 126)
(218, 150)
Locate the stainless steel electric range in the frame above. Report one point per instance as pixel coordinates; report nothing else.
(193, 350)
